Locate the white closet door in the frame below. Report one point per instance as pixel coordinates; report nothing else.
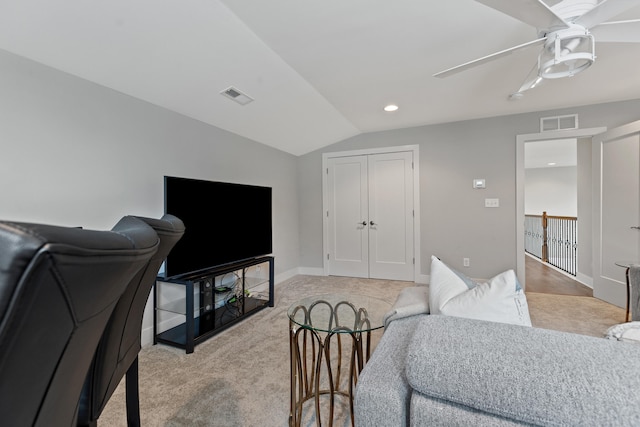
(617, 210)
(348, 216)
(391, 216)
(370, 216)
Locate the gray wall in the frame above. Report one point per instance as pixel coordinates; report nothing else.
(454, 222)
(585, 213)
(78, 154)
(75, 153)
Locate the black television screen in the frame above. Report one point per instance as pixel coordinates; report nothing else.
(224, 223)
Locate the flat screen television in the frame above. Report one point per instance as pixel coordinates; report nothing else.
(224, 223)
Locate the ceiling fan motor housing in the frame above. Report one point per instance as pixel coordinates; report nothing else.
(567, 52)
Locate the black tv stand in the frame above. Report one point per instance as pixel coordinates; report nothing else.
(225, 296)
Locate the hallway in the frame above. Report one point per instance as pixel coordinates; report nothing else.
(543, 279)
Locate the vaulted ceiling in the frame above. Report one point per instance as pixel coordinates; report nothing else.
(318, 71)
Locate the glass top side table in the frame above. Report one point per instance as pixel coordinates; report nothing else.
(316, 323)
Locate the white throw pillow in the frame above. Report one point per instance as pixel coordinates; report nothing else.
(629, 331)
(501, 299)
(445, 284)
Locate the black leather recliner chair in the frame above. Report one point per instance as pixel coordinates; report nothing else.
(58, 288)
(118, 350)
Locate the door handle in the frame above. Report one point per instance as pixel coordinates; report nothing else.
(371, 223)
(635, 228)
(363, 223)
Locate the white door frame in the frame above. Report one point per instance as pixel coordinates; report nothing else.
(416, 199)
(520, 141)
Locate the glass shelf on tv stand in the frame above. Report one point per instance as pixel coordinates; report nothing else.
(179, 305)
(249, 287)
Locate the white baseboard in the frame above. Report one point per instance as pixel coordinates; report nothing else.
(147, 336)
(309, 271)
(585, 280)
(279, 278)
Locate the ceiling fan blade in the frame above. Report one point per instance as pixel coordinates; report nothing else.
(607, 9)
(484, 59)
(532, 12)
(533, 80)
(620, 31)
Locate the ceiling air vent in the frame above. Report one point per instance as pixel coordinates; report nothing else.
(559, 123)
(234, 94)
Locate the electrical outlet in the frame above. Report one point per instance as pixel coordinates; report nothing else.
(466, 262)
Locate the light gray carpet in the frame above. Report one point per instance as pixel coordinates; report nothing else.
(241, 376)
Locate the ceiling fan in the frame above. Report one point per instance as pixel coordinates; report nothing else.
(567, 30)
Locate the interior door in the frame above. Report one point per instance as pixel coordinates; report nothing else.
(348, 214)
(616, 210)
(391, 216)
(370, 216)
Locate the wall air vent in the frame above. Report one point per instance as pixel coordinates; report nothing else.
(235, 95)
(559, 123)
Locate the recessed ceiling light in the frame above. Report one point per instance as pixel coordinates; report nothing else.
(391, 107)
(551, 164)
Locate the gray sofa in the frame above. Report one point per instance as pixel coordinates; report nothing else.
(445, 371)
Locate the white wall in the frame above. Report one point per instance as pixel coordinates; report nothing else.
(553, 190)
(78, 154)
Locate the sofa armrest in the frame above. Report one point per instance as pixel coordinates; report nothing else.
(382, 393)
(532, 375)
(411, 301)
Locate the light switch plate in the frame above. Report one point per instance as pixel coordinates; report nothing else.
(491, 203)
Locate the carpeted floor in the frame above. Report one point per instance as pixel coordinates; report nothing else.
(240, 377)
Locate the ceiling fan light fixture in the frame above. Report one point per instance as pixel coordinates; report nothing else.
(567, 53)
(564, 29)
